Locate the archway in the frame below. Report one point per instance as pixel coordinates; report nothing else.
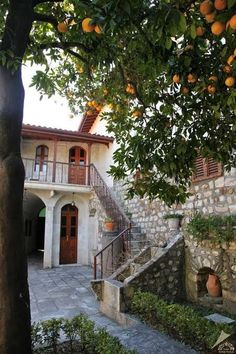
(34, 222)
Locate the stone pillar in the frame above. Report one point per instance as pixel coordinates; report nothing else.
(48, 236)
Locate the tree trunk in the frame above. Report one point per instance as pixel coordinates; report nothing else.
(14, 294)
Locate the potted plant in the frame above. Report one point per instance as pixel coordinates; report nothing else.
(173, 220)
(109, 224)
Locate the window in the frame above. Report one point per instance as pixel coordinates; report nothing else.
(41, 159)
(206, 168)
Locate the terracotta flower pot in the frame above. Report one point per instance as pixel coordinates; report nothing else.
(213, 285)
(109, 225)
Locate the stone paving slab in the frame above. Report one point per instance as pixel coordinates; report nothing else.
(65, 292)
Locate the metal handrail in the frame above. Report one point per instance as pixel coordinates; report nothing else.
(107, 246)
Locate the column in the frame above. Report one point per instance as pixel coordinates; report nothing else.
(48, 236)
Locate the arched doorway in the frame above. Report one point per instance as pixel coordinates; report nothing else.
(68, 236)
(77, 168)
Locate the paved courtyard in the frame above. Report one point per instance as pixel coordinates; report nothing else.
(65, 292)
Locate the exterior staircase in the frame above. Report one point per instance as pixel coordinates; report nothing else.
(130, 240)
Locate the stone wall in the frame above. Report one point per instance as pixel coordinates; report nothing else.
(213, 196)
(221, 259)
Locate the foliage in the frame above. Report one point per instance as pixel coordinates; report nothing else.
(215, 228)
(173, 216)
(160, 124)
(81, 335)
(108, 219)
(179, 321)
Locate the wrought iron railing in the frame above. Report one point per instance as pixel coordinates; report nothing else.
(121, 220)
(56, 172)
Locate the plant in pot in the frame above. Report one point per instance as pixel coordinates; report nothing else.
(173, 220)
(109, 224)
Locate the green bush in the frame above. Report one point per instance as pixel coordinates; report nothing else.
(181, 322)
(215, 228)
(81, 338)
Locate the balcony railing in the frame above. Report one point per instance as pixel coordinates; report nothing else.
(56, 172)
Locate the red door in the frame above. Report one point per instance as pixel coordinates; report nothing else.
(68, 238)
(77, 169)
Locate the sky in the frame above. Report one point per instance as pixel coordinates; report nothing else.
(53, 112)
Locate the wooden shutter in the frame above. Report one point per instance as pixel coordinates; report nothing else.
(206, 168)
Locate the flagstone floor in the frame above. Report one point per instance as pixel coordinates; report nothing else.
(65, 291)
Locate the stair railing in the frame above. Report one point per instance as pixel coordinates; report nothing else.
(116, 213)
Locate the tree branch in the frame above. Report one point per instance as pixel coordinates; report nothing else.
(65, 45)
(37, 2)
(45, 18)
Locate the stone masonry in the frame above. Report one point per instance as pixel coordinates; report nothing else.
(213, 196)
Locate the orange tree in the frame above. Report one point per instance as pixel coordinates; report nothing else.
(166, 70)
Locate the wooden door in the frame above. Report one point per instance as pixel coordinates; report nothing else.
(68, 237)
(41, 158)
(77, 169)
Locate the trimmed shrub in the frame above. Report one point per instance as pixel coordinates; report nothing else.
(81, 338)
(180, 321)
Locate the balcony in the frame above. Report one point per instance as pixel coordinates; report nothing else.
(49, 172)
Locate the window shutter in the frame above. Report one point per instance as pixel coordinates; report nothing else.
(206, 168)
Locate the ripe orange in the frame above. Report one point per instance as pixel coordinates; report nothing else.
(220, 4)
(137, 113)
(230, 59)
(210, 17)
(217, 28)
(130, 89)
(227, 69)
(97, 29)
(89, 113)
(86, 25)
(105, 92)
(230, 81)
(213, 78)
(200, 31)
(206, 7)
(176, 78)
(192, 78)
(232, 22)
(62, 27)
(184, 90)
(211, 89)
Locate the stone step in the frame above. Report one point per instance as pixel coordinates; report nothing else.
(138, 236)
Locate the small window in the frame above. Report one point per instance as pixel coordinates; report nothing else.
(206, 168)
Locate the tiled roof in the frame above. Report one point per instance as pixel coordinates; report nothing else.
(87, 122)
(33, 131)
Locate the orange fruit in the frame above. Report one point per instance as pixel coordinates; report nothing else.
(62, 27)
(86, 25)
(211, 89)
(99, 107)
(213, 78)
(232, 22)
(230, 59)
(200, 31)
(206, 7)
(217, 28)
(105, 92)
(230, 81)
(130, 89)
(97, 29)
(227, 69)
(184, 90)
(192, 78)
(210, 17)
(176, 78)
(137, 113)
(220, 4)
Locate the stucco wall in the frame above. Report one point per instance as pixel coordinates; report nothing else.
(101, 155)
